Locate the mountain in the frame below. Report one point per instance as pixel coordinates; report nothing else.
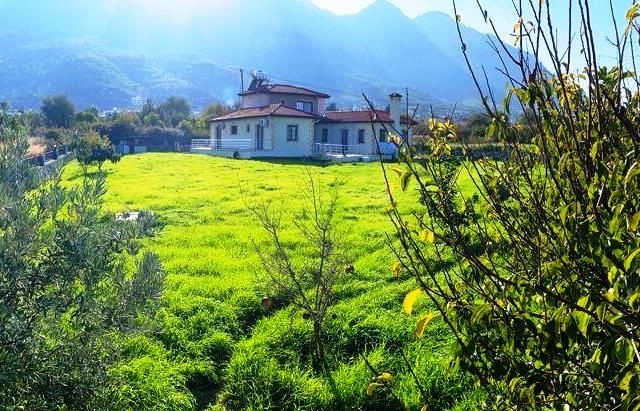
(106, 52)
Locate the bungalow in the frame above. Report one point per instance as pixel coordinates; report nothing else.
(278, 120)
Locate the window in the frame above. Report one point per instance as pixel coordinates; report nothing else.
(305, 106)
(234, 130)
(292, 133)
(248, 128)
(325, 135)
(382, 136)
(361, 136)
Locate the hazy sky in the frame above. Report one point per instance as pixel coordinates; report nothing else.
(503, 15)
(468, 9)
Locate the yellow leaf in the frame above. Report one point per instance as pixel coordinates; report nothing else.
(397, 170)
(517, 26)
(633, 12)
(372, 387)
(427, 236)
(422, 324)
(385, 378)
(396, 268)
(410, 300)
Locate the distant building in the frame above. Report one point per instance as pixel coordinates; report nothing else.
(279, 120)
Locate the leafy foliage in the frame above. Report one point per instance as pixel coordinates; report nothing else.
(58, 111)
(92, 148)
(72, 282)
(543, 298)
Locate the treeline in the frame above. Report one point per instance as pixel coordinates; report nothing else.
(58, 122)
(473, 130)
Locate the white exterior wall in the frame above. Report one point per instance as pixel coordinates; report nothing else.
(242, 131)
(255, 100)
(283, 148)
(275, 136)
(335, 134)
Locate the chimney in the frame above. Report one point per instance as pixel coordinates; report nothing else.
(395, 110)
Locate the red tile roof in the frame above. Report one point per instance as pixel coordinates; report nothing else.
(285, 89)
(274, 110)
(363, 116)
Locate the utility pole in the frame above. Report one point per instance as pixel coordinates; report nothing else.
(241, 80)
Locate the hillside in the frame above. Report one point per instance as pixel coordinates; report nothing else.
(105, 52)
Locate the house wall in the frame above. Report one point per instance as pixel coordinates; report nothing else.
(301, 148)
(275, 136)
(335, 134)
(255, 100)
(242, 131)
(290, 100)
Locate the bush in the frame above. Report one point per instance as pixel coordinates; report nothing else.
(543, 302)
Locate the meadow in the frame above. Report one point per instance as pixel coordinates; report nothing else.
(212, 345)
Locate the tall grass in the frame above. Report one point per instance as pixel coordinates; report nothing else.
(215, 346)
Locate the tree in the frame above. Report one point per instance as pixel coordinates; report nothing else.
(174, 110)
(152, 120)
(540, 269)
(58, 111)
(4, 106)
(474, 128)
(148, 108)
(73, 282)
(332, 107)
(89, 116)
(92, 148)
(215, 110)
(308, 285)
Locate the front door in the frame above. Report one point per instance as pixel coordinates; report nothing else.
(259, 137)
(218, 138)
(345, 141)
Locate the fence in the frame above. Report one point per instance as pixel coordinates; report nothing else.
(223, 144)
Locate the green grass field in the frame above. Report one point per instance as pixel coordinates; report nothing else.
(214, 346)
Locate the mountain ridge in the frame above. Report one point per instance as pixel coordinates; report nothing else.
(376, 51)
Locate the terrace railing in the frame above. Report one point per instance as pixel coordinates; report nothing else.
(324, 148)
(54, 155)
(223, 145)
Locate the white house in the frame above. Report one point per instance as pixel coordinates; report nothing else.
(278, 120)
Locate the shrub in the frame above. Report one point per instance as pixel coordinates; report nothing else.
(544, 299)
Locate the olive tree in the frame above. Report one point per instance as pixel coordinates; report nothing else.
(73, 281)
(537, 273)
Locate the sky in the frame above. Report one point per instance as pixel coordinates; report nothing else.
(468, 9)
(503, 15)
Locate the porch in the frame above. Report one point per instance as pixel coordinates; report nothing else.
(353, 153)
(229, 147)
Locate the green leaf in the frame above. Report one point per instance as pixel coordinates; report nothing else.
(479, 312)
(582, 320)
(594, 150)
(625, 382)
(629, 260)
(634, 222)
(422, 324)
(404, 180)
(410, 300)
(624, 351)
